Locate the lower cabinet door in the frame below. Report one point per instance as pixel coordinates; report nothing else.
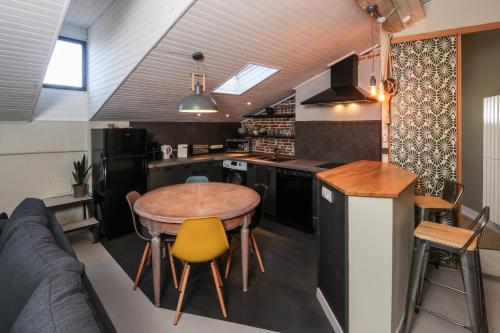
(332, 253)
(264, 174)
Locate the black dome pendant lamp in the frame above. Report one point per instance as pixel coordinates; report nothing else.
(197, 103)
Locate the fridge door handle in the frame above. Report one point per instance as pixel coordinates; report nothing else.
(105, 173)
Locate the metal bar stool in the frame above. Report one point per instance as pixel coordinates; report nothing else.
(428, 204)
(463, 243)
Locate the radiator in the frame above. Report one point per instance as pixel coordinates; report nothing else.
(491, 157)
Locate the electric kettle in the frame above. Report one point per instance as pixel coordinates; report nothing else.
(167, 151)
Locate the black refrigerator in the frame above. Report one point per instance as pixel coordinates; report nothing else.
(120, 165)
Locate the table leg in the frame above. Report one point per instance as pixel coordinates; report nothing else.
(156, 258)
(244, 251)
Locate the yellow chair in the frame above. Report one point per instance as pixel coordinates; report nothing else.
(198, 241)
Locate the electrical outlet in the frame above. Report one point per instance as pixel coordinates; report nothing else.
(327, 194)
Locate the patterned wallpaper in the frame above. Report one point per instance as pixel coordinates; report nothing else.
(424, 111)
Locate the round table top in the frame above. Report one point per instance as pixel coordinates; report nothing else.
(174, 204)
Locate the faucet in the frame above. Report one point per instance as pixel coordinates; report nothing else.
(276, 153)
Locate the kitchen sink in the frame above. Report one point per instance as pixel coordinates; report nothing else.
(276, 159)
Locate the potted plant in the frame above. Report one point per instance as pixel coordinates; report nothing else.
(80, 175)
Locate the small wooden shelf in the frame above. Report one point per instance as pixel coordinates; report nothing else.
(264, 115)
(64, 201)
(81, 224)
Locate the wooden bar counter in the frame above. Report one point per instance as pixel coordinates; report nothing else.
(366, 219)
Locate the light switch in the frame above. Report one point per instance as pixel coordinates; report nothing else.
(327, 194)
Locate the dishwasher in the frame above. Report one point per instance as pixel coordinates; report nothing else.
(294, 198)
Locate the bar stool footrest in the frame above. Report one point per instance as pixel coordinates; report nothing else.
(442, 316)
(445, 286)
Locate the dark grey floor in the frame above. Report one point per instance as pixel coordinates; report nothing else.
(281, 299)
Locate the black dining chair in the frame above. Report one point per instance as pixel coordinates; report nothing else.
(452, 192)
(256, 218)
(144, 234)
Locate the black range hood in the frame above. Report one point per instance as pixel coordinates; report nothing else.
(344, 85)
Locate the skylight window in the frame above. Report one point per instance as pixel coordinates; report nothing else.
(247, 78)
(67, 66)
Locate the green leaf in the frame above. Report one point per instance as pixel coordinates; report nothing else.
(81, 170)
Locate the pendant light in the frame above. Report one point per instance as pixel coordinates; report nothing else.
(197, 102)
(373, 82)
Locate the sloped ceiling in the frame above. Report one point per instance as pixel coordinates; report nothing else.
(82, 13)
(28, 32)
(300, 37)
(120, 39)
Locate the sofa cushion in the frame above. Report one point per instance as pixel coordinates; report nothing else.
(30, 206)
(11, 226)
(29, 210)
(58, 234)
(57, 305)
(29, 254)
(34, 211)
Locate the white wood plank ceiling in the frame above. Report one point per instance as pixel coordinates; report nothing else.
(121, 38)
(83, 13)
(300, 37)
(28, 32)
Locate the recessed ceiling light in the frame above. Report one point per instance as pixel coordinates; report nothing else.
(249, 103)
(199, 114)
(247, 78)
(227, 115)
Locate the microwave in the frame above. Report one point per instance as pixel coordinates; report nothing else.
(238, 145)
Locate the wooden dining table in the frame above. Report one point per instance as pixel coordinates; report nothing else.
(163, 210)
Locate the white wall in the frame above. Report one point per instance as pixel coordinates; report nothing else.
(450, 14)
(74, 32)
(36, 159)
(121, 38)
(61, 105)
(341, 112)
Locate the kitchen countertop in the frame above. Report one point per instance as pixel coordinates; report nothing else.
(369, 179)
(298, 164)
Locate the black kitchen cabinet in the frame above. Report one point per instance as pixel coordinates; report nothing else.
(264, 174)
(332, 252)
(315, 202)
(177, 174)
(164, 176)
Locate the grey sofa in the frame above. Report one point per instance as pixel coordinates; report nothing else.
(43, 287)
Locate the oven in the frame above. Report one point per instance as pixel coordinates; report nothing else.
(238, 145)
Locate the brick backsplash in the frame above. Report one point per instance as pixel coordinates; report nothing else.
(286, 146)
(267, 145)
